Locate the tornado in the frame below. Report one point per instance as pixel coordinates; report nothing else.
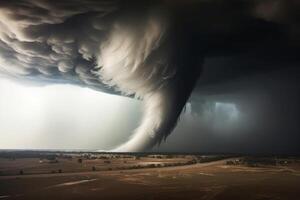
(151, 60)
(136, 50)
(149, 50)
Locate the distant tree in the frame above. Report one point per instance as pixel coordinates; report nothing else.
(107, 162)
(51, 157)
(79, 160)
(169, 156)
(137, 158)
(229, 162)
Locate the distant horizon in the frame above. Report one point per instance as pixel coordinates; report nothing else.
(145, 152)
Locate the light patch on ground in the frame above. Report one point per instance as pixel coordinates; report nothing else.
(205, 174)
(73, 183)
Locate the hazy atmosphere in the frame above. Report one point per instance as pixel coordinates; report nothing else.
(192, 76)
(63, 117)
(252, 120)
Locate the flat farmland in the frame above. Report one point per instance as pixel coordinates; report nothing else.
(151, 177)
(76, 163)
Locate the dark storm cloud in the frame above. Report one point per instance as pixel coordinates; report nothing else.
(268, 106)
(152, 50)
(62, 38)
(52, 40)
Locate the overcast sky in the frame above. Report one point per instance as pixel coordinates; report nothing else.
(252, 120)
(71, 117)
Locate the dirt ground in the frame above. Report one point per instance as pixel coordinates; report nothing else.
(212, 180)
(43, 166)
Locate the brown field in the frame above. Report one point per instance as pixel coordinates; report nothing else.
(148, 177)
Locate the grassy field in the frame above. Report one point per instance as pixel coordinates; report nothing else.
(149, 177)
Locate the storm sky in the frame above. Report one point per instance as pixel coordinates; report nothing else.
(86, 74)
(63, 117)
(262, 119)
